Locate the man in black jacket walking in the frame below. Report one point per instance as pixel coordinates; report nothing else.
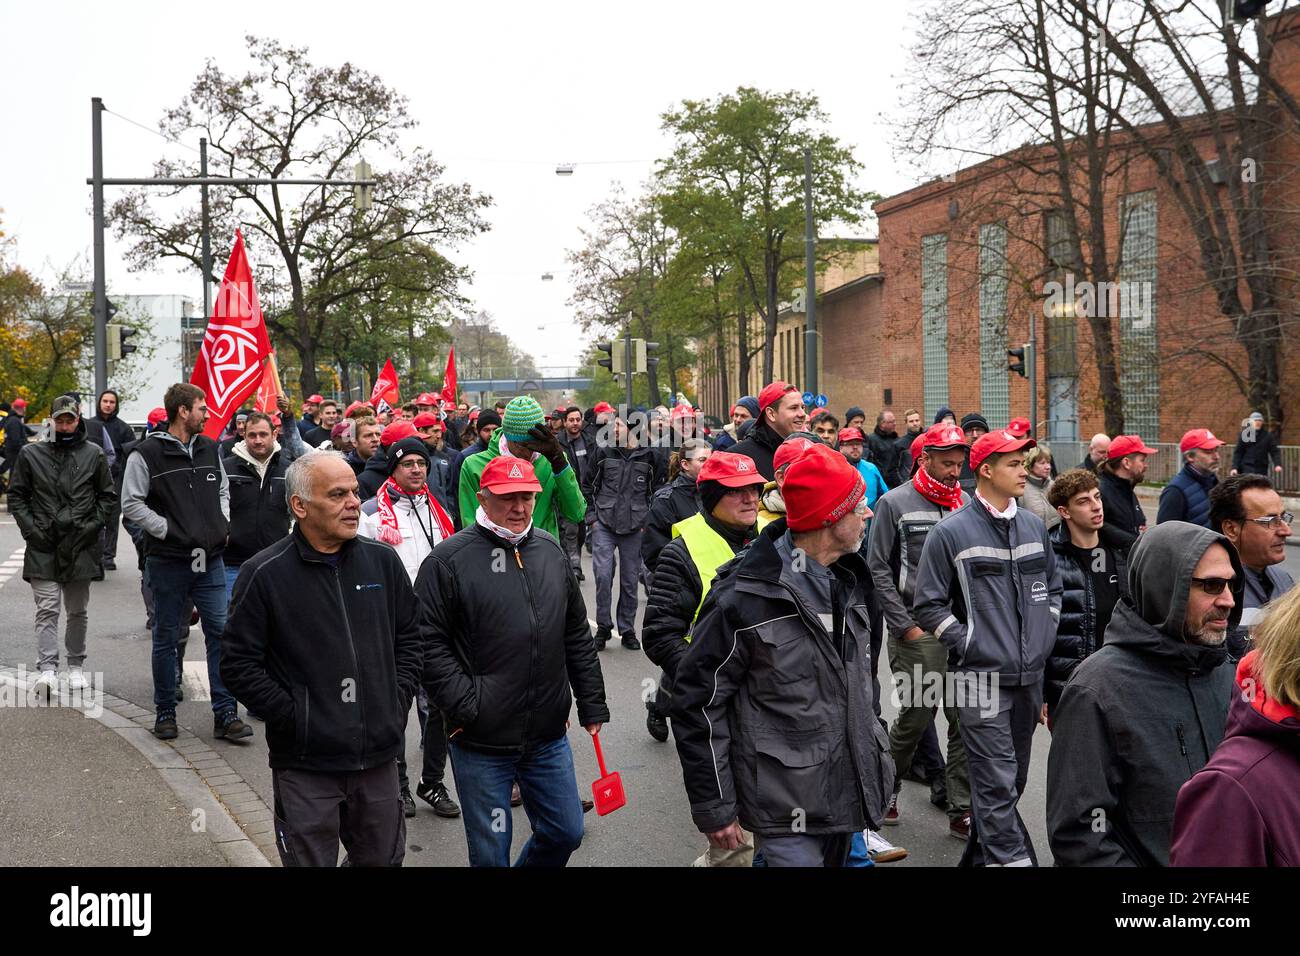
(112, 434)
(1256, 449)
(493, 588)
(618, 486)
(16, 435)
(772, 708)
(60, 495)
(579, 442)
(1145, 712)
(1123, 470)
(884, 450)
(334, 676)
(176, 491)
(780, 412)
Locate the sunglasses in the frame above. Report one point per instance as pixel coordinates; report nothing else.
(1212, 585)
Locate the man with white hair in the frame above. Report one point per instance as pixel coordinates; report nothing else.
(333, 676)
(1097, 449)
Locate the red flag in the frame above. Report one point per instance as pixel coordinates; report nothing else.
(386, 387)
(270, 389)
(229, 366)
(449, 381)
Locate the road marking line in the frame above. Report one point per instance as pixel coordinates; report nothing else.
(196, 681)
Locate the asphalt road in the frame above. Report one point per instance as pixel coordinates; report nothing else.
(654, 829)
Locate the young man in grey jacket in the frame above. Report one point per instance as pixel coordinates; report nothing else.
(904, 517)
(989, 589)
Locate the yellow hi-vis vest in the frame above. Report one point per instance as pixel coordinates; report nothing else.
(708, 550)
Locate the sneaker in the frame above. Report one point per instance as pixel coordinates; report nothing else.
(881, 850)
(230, 727)
(587, 805)
(602, 637)
(77, 679)
(960, 828)
(47, 685)
(516, 799)
(438, 798)
(891, 815)
(939, 794)
(631, 643)
(657, 726)
(164, 726)
(408, 804)
(581, 576)
(110, 565)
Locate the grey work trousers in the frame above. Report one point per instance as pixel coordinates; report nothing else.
(999, 732)
(316, 811)
(75, 596)
(605, 545)
(802, 849)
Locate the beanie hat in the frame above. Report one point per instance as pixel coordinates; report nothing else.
(395, 432)
(157, 417)
(821, 487)
(791, 450)
(403, 447)
(522, 414)
(853, 412)
(487, 418)
(974, 419)
(943, 413)
(750, 403)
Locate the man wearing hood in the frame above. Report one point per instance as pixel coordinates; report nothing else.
(780, 412)
(112, 434)
(60, 496)
(1140, 716)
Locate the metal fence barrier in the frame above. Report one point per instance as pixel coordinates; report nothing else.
(1167, 462)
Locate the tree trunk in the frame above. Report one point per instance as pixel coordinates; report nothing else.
(345, 376)
(742, 336)
(307, 374)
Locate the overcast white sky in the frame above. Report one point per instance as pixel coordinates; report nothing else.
(502, 92)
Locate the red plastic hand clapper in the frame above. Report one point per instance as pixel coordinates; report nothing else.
(608, 790)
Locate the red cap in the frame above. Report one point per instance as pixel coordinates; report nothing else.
(156, 417)
(789, 451)
(992, 443)
(820, 488)
(1122, 445)
(684, 410)
(603, 407)
(918, 447)
(315, 399)
(731, 470)
(850, 434)
(505, 474)
(1018, 426)
(473, 416)
(558, 414)
(396, 432)
(772, 393)
(424, 420)
(942, 436)
(426, 398)
(275, 419)
(19, 403)
(1198, 438)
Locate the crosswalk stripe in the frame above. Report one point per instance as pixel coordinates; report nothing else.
(196, 681)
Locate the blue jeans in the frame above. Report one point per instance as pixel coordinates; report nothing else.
(232, 572)
(173, 583)
(550, 792)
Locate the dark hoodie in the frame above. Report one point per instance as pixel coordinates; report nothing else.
(1139, 716)
(1243, 807)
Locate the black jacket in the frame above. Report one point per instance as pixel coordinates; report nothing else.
(618, 486)
(440, 463)
(332, 676)
(671, 503)
(760, 444)
(316, 435)
(355, 462)
(259, 512)
(772, 713)
(1076, 632)
(673, 597)
(119, 433)
(187, 492)
(587, 440)
(1257, 457)
(507, 637)
(373, 476)
(887, 454)
(16, 435)
(1124, 516)
(454, 478)
(61, 495)
(1141, 716)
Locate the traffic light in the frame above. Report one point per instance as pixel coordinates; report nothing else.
(362, 196)
(118, 346)
(1017, 364)
(645, 357)
(1243, 10)
(613, 356)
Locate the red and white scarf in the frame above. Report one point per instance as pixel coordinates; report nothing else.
(389, 532)
(932, 489)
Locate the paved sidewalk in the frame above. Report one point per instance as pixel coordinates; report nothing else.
(75, 793)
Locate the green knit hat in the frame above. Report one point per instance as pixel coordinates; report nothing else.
(521, 414)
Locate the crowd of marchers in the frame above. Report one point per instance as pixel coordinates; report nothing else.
(780, 558)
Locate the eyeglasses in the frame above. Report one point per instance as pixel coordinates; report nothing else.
(1212, 585)
(1268, 521)
(748, 491)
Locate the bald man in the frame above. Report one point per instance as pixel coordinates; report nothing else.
(1097, 450)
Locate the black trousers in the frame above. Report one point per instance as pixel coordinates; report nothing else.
(433, 738)
(362, 809)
